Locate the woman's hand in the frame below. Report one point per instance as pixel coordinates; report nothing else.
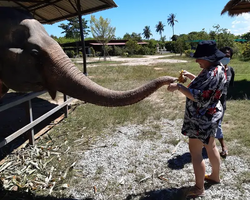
(188, 74)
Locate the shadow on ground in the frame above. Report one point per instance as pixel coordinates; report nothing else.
(179, 161)
(16, 117)
(240, 90)
(21, 195)
(164, 194)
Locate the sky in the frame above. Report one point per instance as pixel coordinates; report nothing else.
(192, 15)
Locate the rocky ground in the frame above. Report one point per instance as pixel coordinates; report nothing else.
(128, 166)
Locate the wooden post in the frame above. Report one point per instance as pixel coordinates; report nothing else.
(29, 114)
(66, 108)
(82, 38)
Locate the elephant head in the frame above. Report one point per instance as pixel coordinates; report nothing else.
(30, 60)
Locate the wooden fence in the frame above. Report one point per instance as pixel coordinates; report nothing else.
(29, 128)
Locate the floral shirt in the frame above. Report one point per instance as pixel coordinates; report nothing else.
(202, 115)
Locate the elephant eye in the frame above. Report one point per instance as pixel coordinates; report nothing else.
(34, 52)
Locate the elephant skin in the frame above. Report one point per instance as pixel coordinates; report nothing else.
(30, 60)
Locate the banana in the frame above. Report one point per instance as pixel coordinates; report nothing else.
(182, 78)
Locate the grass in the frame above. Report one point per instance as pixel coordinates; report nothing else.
(171, 105)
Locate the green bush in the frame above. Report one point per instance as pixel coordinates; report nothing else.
(125, 54)
(189, 52)
(118, 51)
(169, 46)
(80, 54)
(70, 53)
(132, 47)
(246, 51)
(144, 51)
(92, 51)
(152, 43)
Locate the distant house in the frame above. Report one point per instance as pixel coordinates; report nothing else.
(77, 46)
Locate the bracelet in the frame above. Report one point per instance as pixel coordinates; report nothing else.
(179, 86)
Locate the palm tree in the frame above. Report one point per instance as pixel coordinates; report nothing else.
(160, 28)
(171, 21)
(146, 32)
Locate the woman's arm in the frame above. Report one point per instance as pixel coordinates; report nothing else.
(177, 86)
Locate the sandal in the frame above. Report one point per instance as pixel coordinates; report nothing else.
(209, 180)
(195, 192)
(224, 153)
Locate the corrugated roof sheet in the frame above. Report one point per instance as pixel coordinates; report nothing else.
(51, 11)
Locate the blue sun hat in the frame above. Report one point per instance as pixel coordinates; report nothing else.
(207, 50)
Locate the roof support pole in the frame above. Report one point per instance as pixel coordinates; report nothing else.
(82, 38)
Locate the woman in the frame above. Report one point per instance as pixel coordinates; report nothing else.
(230, 82)
(203, 113)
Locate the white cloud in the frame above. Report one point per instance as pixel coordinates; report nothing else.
(241, 24)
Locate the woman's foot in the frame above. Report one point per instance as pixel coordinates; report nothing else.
(211, 180)
(195, 192)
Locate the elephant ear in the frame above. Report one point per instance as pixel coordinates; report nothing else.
(3, 89)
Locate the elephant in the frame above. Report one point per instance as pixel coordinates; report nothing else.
(30, 60)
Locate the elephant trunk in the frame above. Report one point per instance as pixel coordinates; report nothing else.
(71, 81)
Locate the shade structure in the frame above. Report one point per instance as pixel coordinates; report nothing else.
(236, 7)
(51, 11)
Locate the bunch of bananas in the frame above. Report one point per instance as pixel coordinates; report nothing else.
(182, 78)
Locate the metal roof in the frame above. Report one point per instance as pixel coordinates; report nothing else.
(236, 7)
(51, 11)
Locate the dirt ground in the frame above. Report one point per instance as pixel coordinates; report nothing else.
(121, 167)
(146, 60)
(152, 169)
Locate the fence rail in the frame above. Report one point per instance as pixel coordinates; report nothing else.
(32, 123)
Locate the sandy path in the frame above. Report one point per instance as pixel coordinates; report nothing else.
(146, 60)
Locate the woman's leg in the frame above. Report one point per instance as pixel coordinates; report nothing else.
(214, 158)
(195, 147)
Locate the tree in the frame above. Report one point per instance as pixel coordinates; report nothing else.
(181, 44)
(146, 32)
(160, 28)
(127, 36)
(174, 37)
(72, 28)
(171, 21)
(132, 46)
(223, 37)
(133, 36)
(163, 39)
(212, 35)
(102, 31)
(246, 36)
